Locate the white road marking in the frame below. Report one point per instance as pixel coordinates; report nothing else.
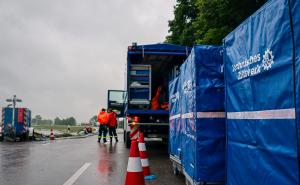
(77, 174)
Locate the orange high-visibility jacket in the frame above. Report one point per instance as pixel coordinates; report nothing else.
(103, 118)
(154, 101)
(112, 119)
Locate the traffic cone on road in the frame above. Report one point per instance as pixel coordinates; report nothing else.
(134, 175)
(51, 134)
(144, 159)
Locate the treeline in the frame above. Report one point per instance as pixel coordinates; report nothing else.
(67, 121)
(208, 21)
(38, 120)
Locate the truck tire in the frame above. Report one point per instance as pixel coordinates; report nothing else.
(175, 170)
(27, 136)
(165, 140)
(128, 141)
(187, 182)
(124, 136)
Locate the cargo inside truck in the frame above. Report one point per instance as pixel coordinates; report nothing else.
(150, 68)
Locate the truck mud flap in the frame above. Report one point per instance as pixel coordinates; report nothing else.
(176, 164)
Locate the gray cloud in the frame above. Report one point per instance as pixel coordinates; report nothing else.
(61, 56)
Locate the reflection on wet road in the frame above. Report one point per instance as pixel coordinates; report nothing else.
(55, 163)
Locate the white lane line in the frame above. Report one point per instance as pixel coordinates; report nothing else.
(77, 174)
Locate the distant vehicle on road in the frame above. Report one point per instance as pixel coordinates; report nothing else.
(88, 128)
(145, 100)
(20, 130)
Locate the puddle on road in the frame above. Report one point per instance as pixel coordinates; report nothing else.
(107, 158)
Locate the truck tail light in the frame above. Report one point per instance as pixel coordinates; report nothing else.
(136, 119)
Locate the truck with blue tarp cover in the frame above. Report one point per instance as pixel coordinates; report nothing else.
(22, 123)
(145, 100)
(262, 77)
(197, 129)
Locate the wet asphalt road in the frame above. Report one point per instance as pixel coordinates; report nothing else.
(55, 162)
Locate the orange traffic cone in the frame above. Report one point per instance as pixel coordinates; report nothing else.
(134, 174)
(51, 134)
(144, 159)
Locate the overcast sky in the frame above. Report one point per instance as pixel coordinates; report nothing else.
(61, 56)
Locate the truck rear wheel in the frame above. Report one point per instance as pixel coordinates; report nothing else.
(175, 170)
(165, 140)
(187, 182)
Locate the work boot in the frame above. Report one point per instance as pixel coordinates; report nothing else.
(98, 140)
(117, 139)
(104, 141)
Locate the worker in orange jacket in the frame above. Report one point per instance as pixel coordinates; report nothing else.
(103, 123)
(112, 124)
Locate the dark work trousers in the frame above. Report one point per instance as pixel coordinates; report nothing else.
(112, 132)
(102, 131)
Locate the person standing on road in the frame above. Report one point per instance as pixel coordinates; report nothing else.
(112, 124)
(103, 121)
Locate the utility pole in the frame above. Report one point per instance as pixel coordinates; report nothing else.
(14, 101)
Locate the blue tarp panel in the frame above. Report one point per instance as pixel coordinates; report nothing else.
(188, 109)
(260, 104)
(202, 114)
(175, 126)
(210, 127)
(295, 8)
(296, 27)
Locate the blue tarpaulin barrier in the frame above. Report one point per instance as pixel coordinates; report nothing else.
(262, 96)
(202, 123)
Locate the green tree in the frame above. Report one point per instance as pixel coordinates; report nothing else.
(36, 120)
(93, 120)
(216, 18)
(70, 121)
(67, 121)
(210, 21)
(57, 121)
(181, 29)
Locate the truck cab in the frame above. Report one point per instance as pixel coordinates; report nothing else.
(144, 102)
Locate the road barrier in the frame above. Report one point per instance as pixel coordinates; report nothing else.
(134, 175)
(51, 134)
(144, 159)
